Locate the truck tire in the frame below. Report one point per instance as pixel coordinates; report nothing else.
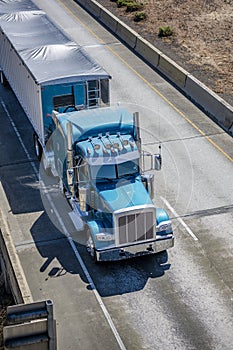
(37, 146)
(91, 247)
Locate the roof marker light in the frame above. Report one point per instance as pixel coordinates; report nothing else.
(111, 145)
(94, 145)
(123, 142)
(132, 144)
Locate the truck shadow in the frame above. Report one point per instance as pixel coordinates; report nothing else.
(125, 276)
(55, 248)
(110, 278)
(21, 187)
(129, 276)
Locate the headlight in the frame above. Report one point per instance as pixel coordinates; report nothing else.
(164, 226)
(104, 236)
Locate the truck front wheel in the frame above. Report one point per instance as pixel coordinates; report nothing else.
(91, 246)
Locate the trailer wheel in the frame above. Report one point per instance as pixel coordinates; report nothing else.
(37, 146)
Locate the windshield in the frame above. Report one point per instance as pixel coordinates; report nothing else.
(127, 168)
(115, 171)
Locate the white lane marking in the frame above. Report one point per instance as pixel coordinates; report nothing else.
(71, 242)
(181, 221)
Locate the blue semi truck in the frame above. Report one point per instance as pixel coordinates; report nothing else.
(94, 149)
(98, 158)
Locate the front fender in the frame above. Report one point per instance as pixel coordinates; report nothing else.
(163, 223)
(95, 227)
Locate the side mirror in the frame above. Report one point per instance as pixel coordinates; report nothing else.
(157, 162)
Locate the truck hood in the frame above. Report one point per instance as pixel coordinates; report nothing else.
(122, 194)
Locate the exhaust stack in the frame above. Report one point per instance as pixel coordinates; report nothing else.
(70, 162)
(138, 137)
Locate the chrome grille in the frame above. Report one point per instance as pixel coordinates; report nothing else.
(135, 225)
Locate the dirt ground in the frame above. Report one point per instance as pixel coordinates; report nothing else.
(202, 39)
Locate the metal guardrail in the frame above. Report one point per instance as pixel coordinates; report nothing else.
(31, 326)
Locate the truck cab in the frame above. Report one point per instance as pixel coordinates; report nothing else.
(97, 156)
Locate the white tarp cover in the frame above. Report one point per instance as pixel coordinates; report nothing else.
(7, 6)
(49, 54)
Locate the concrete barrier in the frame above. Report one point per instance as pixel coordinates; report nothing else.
(210, 102)
(108, 19)
(172, 71)
(147, 51)
(93, 7)
(230, 130)
(10, 260)
(82, 2)
(126, 34)
(12, 271)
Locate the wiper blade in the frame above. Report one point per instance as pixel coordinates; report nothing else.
(105, 178)
(127, 175)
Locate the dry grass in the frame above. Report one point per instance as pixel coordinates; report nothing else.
(201, 41)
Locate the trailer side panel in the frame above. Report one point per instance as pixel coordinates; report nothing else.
(27, 91)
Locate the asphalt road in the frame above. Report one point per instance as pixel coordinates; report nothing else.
(179, 301)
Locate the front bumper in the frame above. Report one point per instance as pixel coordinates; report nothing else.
(137, 249)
